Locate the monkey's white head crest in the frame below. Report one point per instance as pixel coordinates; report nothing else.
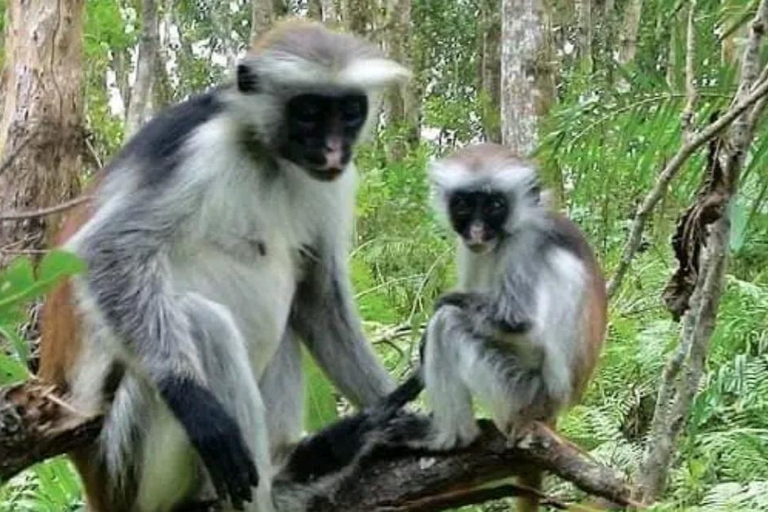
(482, 167)
(306, 54)
(491, 168)
(299, 58)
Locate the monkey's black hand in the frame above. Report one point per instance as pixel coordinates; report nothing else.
(463, 300)
(514, 325)
(216, 437)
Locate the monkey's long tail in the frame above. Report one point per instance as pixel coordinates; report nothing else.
(397, 399)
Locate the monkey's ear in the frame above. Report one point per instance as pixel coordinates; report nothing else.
(247, 79)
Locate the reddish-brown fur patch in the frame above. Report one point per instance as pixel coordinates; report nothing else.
(59, 349)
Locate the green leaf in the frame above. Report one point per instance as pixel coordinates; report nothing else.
(321, 403)
(19, 344)
(11, 370)
(739, 217)
(55, 266)
(18, 277)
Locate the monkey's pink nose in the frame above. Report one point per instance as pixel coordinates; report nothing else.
(334, 154)
(476, 233)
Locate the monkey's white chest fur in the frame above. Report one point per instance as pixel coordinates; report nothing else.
(249, 258)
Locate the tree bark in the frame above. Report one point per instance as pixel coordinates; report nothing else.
(356, 14)
(139, 108)
(489, 68)
(315, 9)
(584, 9)
(35, 425)
(520, 57)
(629, 30)
(263, 16)
(403, 104)
(41, 127)
(330, 12)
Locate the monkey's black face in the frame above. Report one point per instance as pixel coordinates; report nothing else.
(479, 217)
(321, 130)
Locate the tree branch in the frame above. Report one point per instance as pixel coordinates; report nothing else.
(668, 174)
(35, 425)
(690, 76)
(42, 212)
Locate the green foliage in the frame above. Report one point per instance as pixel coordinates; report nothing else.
(52, 486)
(320, 398)
(49, 487)
(20, 282)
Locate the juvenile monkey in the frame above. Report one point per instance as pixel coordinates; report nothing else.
(217, 241)
(524, 329)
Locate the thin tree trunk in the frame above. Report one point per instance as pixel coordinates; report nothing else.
(629, 30)
(315, 9)
(330, 12)
(520, 46)
(356, 16)
(489, 68)
(262, 17)
(584, 9)
(139, 107)
(685, 368)
(402, 105)
(41, 127)
(121, 65)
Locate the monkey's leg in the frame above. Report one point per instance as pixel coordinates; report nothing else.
(230, 378)
(282, 386)
(448, 395)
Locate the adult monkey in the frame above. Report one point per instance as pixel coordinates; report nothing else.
(217, 238)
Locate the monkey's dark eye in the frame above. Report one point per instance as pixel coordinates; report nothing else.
(306, 111)
(460, 206)
(353, 111)
(535, 191)
(496, 205)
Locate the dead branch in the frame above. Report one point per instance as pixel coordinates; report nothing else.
(36, 425)
(42, 212)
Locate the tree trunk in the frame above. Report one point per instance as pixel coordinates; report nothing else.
(584, 9)
(162, 88)
(402, 105)
(121, 65)
(330, 13)
(629, 30)
(41, 131)
(262, 17)
(356, 16)
(520, 94)
(139, 109)
(489, 69)
(315, 9)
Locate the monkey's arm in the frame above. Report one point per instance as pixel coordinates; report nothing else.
(489, 315)
(324, 315)
(128, 287)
